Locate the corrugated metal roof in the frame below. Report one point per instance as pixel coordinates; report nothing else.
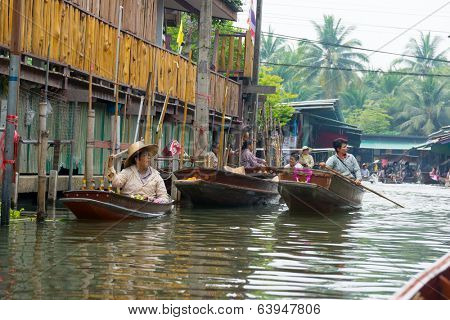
(390, 143)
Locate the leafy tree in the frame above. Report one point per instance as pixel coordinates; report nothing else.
(426, 51)
(426, 109)
(271, 46)
(372, 119)
(331, 52)
(355, 95)
(281, 112)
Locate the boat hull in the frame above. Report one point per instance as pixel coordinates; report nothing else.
(219, 188)
(431, 284)
(325, 193)
(101, 205)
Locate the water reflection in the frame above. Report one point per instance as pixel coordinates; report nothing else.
(229, 253)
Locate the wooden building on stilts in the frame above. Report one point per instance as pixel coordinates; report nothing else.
(79, 38)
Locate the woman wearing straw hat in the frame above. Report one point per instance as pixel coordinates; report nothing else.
(138, 177)
(305, 158)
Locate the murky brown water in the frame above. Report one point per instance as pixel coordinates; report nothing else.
(239, 253)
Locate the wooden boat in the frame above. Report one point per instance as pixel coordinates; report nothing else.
(425, 178)
(221, 188)
(431, 284)
(103, 205)
(324, 193)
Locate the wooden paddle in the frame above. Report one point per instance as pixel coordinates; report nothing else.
(362, 186)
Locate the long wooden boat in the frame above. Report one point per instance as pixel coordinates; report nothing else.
(431, 284)
(425, 178)
(318, 191)
(103, 205)
(221, 188)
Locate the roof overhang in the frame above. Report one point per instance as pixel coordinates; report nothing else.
(220, 9)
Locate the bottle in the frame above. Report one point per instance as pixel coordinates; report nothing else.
(83, 186)
(102, 185)
(110, 189)
(92, 187)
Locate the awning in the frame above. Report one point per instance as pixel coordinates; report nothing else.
(388, 143)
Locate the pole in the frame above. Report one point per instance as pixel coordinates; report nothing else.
(362, 186)
(138, 119)
(183, 127)
(116, 87)
(159, 129)
(11, 116)
(256, 62)
(42, 172)
(201, 120)
(222, 131)
(89, 160)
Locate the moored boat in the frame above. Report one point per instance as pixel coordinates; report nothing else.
(318, 191)
(222, 188)
(425, 178)
(431, 284)
(102, 205)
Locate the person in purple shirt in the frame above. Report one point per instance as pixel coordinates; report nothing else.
(248, 159)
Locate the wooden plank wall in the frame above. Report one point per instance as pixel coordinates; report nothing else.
(235, 55)
(78, 40)
(217, 91)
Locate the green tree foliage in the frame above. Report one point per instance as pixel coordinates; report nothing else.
(331, 52)
(372, 118)
(280, 112)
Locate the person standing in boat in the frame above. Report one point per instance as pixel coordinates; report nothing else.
(344, 162)
(138, 177)
(306, 159)
(248, 159)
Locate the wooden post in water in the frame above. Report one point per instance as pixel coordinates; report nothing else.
(222, 131)
(42, 160)
(201, 120)
(89, 158)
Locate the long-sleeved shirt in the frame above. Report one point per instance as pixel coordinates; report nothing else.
(131, 183)
(307, 160)
(350, 169)
(248, 160)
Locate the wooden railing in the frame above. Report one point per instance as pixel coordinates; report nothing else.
(217, 94)
(234, 54)
(79, 39)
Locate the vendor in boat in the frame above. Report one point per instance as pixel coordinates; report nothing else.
(293, 162)
(365, 173)
(211, 156)
(306, 159)
(344, 162)
(138, 177)
(248, 159)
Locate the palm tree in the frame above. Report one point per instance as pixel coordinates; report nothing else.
(355, 95)
(390, 84)
(331, 54)
(427, 108)
(426, 52)
(271, 46)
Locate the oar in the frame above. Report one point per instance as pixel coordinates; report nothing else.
(364, 187)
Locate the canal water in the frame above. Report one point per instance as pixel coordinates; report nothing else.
(257, 253)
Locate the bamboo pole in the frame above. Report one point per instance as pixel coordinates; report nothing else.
(360, 185)
(148, 98)
(89, 160)
(138, 119)
(222, 130)
(116, 87)
(42, 174)
(161, 118)
(183, 127)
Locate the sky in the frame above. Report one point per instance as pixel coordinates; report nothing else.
(377, 22)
